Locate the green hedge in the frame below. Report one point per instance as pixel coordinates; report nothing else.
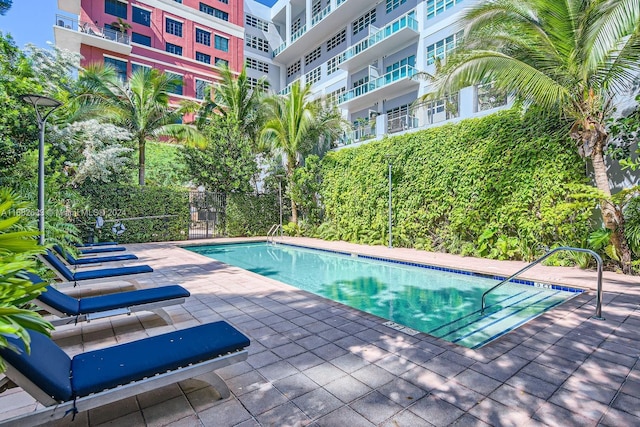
(119, 202)
(250, 214)
(496, 186)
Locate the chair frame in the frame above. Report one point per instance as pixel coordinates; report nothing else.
(54, 410)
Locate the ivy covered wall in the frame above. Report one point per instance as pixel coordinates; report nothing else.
(498, 186)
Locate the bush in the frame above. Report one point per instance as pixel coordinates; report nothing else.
(497, 186)
(131, 206)
(251, 215)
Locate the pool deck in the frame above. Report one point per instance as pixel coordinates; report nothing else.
(318, 363)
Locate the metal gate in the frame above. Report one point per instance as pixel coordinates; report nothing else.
(207, 214)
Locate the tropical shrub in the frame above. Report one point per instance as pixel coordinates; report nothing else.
(251, 214)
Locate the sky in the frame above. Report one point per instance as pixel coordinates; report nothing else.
(31, 21)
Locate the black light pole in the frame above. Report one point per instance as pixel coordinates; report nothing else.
(389, 157)
(280, 176)
(44, 106)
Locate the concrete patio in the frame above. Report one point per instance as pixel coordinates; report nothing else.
(318, 363)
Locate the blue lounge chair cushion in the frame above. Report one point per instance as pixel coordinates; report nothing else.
(54, 298)
(92, 274)
(103, 250)
(47, 365)
(102, 369)
(94, 260)
(131, 298)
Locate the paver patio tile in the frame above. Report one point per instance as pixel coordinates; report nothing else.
(112, 411)
(344, 416)
(287, 415)
(545, 373)
(468, 420)
(437, 411)
(458, 395)
(295, 385)
(159, 395)
(247, 382)
(627, 403)
(127, 420)
(501, 368)
(616, 418)
(288, 350)
(311, 342)
(402, 392)
(347, 389)
(234, 370)
(277, 370)
(305, 361)
(517, 399)
(332, 334)
(262, 400)
(532, 385)
(376, 407)
(167, 411)
(373, 376)
(329, 351)
(262, 359)
(444, 367)
(324, 373)
(349, 362)
(225, 414)
(405, 418)
(579, 403)
(317, 403)
(424, 378)
(283, 326)
(349, 342)
(477, 382)
(558, 416)
(395, 364)
(596, 391)
(497, 414)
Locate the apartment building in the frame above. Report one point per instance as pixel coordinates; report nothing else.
(182, 37)
(369, 57)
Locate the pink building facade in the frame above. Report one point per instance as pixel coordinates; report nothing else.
(185, 38)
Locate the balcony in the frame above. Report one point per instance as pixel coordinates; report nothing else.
(324, 23)
(390, 85)
(70, 34)
(392, 37)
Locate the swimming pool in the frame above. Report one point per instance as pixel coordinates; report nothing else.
(438, 301)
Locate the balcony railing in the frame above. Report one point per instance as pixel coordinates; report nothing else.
(321, 15)
(405, 21)
(298, 33)
(92, 29)
(400, 122)
(488, 97)
(279, 49)
(404, 72)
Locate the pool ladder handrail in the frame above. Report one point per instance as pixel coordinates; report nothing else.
(272, 232)
(597, 257)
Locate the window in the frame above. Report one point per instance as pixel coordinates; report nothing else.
(115, 8)
(136, 67)
(178, 1)
(409, 60)
(203, 37)
(333, 97)
(173, 27)
(400, 118)
(293, 68)
(118, 65)
(220, 62)
(258, 23)
(436, 7)
(141, 39)
(221, 43)
(257, 43)
(332, 64)
(441, 48)
(313, 76)
(488, 97)
(214, 12)
(203, 57)
(312, 56)
(177, 87)
(141, 16)
(364, 21)
(201, 88)
(254, 64)
(394, 4)
(442, 109)
(336, 40)
(224, 1)
(175, 49)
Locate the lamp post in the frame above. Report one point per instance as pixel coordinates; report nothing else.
(44, 106)
(389, 157)
(280, 176)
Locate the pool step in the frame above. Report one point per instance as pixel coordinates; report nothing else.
(500, 317)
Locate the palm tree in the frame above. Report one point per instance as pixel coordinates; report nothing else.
(573, 55)
(234, 97)
(140, 105)
(295, 127)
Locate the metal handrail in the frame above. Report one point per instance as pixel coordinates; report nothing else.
(272, 232)
(548, 254)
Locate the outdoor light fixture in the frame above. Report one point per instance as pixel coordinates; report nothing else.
(44, 106)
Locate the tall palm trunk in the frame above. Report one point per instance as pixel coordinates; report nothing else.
(141, 160)
(612, 216)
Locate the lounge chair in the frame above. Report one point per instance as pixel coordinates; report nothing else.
(93, 260)
(74, 310)
(63, 271)
(99, 377)
(102, 250)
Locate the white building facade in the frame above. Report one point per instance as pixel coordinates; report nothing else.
(370, 58)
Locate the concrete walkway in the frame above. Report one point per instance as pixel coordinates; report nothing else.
(318, 363)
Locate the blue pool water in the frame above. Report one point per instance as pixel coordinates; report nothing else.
(445, 304)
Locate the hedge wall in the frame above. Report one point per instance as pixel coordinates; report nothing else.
(251, 215)
(496, 186)
(119, 202)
